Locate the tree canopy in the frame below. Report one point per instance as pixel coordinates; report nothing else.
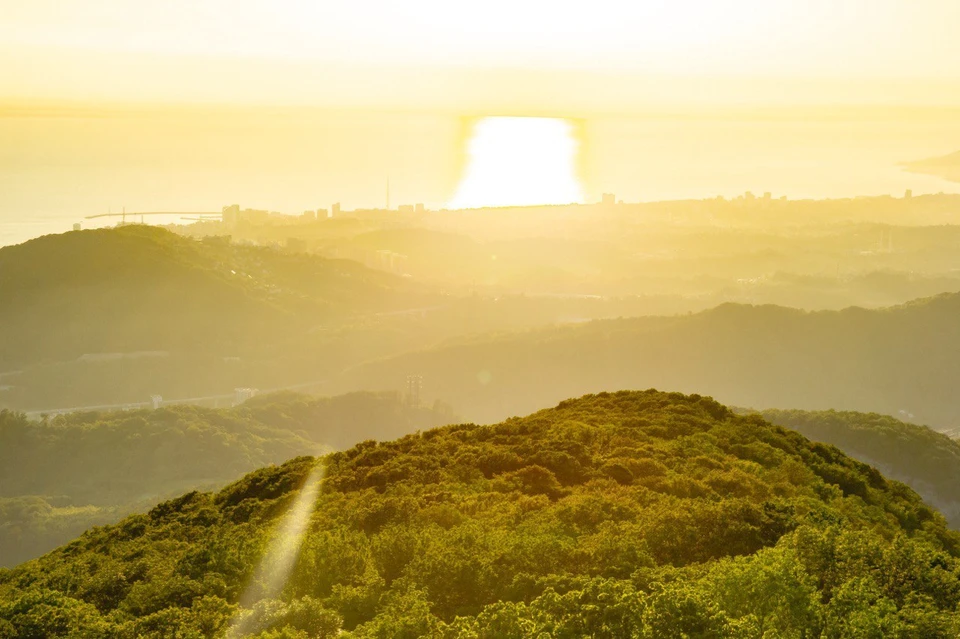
(630, 514)
(927, 461)
(64, 474)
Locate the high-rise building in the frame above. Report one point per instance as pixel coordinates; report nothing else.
(230, 214)
(335, 209)
(240, 395)
(608, 199)
(414, 386)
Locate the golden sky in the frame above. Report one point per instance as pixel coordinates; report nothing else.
(496, 53)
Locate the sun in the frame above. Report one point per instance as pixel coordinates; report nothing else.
(520, 161)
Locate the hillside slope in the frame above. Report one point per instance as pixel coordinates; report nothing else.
(925, 460)
(141, 288)
(110, 317)
(61, 476)
(634, 514)
(887, 360)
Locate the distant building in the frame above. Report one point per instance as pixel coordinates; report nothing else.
(418, 207)
(76, 226)
(230, 214)
(405, 208)
(240, 395)
(414, 386)
(767, 195)
(335, 209)
(322, 213)
(908, 194)
(257, 216)
(156, 401)
(608, 199)
(749, 196)
(308, 216)
(388, 261)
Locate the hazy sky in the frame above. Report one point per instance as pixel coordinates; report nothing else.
(365, 51)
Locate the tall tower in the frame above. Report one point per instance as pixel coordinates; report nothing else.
(414, 385)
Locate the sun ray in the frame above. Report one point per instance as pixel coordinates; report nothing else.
(278, 562)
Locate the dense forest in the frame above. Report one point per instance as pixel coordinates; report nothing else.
(60, 476)
(927, 461)
(882, 360)
(632, 514)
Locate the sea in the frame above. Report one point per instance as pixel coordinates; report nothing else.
(60, 165)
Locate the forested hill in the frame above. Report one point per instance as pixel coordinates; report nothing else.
(141, 288)
(632, 514)
(60, 476)
(886, 360)
(929, 462)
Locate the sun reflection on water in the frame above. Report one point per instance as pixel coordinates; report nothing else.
(520, 161)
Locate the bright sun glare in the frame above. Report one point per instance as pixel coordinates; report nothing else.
(519, 161)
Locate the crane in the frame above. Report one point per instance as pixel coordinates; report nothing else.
(124, 214)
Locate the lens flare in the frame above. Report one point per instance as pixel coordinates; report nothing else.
(280, 559)
(520, 161)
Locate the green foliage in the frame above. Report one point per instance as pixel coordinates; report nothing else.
(925, 460)
(97, 467)
(523, 529)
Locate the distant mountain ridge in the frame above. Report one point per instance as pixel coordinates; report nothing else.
(885, 360)
(927, 461)
(113, 316)
(142, 288)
